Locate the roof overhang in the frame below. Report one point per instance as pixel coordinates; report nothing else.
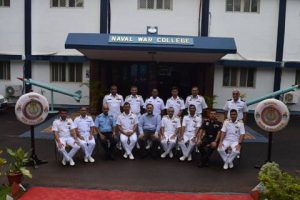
(158, 48)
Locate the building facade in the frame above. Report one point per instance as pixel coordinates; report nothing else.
(59, 42)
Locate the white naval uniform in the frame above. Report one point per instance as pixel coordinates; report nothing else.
(191, 124)
(127, 122)
(63, 129)
(233, 131)
(84, 126)
(177, 104)
(136, 102)
(158, 105)
(114, 103)
(198, 101)
(240, 106)
(170, 126)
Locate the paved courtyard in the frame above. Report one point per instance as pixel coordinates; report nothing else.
(155, 175)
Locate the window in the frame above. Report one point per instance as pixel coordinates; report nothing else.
(238, 77)
(155, 4)
(4, 71)
(4, 3)
(67, 3)
(66, 72)
(242, 5)
(297, 81)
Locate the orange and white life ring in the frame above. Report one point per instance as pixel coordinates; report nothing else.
(32, 108)
(271, 115)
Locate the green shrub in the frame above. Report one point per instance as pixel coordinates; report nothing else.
(278, 185)
(19, 159)
(2, 162)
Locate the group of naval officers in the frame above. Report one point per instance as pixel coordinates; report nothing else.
(154, 131)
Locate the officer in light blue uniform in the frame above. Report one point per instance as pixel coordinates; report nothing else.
(105, 125)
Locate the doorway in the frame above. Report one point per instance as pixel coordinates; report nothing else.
(149, 75)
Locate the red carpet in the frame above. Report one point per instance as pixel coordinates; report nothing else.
(40, 193)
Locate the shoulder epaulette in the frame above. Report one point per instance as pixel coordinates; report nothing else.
(243, 100)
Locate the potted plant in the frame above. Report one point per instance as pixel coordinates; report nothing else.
(210, 101)
(276, 184)
(96, 95)
(2, 162)
(17, 168)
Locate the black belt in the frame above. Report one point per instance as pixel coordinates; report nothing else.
(149, 131)
(107, 132)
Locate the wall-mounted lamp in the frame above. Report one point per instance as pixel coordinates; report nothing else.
(152, 30)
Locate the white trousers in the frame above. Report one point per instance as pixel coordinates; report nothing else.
(87, 145)
(168, 143)
(187, 145)
(70, 142)
(228, 157)
(128, 142)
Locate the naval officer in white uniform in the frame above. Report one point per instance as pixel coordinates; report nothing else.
(136, 101)
(127, 123)
(190, 126)
(196, 100)
(157, 102)
(114, 101)
(232, 135)
(176, 102)
(85, 128)
(238, 104)
(64, 134)
(170, 127)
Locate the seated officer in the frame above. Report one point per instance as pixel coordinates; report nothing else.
(105, 125)
(170, 127)
(127, 123)
(208, 138)
(64, 134)
(85, 128)
(232, 135)
(190, 126)
(149, 126)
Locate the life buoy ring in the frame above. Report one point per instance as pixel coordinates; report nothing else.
(271, 115)
(32, 108)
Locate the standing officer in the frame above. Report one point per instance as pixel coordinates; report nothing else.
(196, 100)
(190, 126)
(232, 135)
(149, 127)
(208, 138)
(238, 104)
(158, 103)
(85, 128)
(127, 123)
(64, 134)
(136, 101)
(105, 125)
(114, 102)
(170, 127)
(176, 102)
